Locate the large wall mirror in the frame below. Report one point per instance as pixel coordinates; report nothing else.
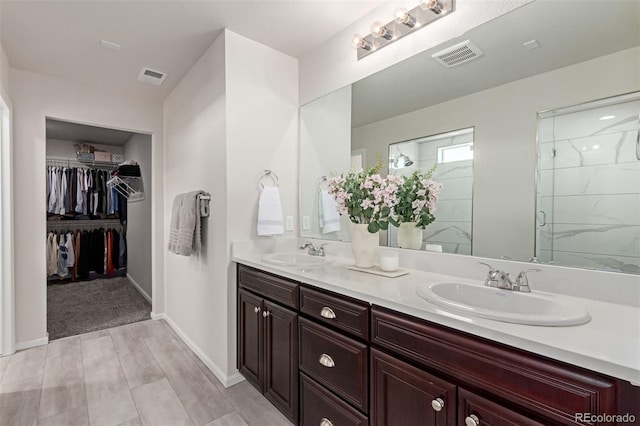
(541, 57)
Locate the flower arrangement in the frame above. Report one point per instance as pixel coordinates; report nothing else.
(366, 197)
(416, 199)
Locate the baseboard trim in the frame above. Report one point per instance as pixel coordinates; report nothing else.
(155, 316)
(32, 343)
(139, 288)
(226, 381)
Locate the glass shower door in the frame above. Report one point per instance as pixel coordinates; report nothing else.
(588, 197)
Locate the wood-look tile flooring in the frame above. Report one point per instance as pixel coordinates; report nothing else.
(136, 374)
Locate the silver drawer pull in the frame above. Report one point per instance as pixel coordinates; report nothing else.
(472, 420)
(437, 404)
(256, 309)
(327, 312)
(265, 314)
(325, 422)
(327, 361)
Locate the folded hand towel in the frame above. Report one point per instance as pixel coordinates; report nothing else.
(270, 221)
(184, 232)
(328, 216)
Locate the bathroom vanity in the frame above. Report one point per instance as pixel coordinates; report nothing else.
(325, 356)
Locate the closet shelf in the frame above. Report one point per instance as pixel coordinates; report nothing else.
(129, 187)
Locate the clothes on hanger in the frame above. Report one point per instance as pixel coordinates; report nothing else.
(78, 190)
(76, 254)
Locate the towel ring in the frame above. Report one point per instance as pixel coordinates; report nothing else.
(268, 173)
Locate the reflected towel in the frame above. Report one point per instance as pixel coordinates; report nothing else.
(184, 232)
(328, 216)
(270, 220)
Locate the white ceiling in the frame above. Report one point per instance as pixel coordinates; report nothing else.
(62, 38)
(569, 31)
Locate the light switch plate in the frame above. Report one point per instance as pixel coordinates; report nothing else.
(306, 223)
(289, 223)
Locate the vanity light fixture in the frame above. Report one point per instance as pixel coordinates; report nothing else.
(404, 22)
(402, 16)
(607, 117)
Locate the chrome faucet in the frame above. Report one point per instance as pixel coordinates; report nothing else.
(312, 250)
(500, 279)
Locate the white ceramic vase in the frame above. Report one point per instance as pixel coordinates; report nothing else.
(409, 236)
(364, 245)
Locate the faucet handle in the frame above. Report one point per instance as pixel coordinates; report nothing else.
(522, 281)
(321, 249)
(306, 245)
(491, 268)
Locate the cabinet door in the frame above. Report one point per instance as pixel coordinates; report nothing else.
(250, 338)
(403, 395)
(475, 410)
(281, 359)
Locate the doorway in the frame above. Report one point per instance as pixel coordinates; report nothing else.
(98, 228)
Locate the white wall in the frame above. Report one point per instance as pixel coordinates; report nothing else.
(262, 133)
(4, 71)
(65, 149)
(139, 231)
(36, 97)
(505, 121)
(232, 116)
(195, 158)
(334, 64)
(325, 140)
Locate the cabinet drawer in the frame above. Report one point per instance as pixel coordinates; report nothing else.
(488, 413)
(549, 388)
(344, 313)
(270, 286)
(337, 362)
(318, 404)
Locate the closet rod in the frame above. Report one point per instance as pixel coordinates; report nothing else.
(82, 223)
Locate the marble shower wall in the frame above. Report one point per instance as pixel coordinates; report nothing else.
(589, 189)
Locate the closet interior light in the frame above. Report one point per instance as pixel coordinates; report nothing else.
(404, 22)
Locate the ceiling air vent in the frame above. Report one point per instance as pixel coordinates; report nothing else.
(152, 76)
(458, 54)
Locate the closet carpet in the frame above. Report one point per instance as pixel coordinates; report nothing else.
(82, 307)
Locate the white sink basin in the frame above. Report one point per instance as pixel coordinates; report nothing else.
(504, 305)
(299, 260)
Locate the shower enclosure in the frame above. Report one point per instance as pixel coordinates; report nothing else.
(588, 188)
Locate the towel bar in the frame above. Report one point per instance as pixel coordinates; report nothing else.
(204, 204)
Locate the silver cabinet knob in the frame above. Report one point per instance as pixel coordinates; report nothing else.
(327, 361)
(437, 404)
(327, 312)
(265, 313)
(256, 309)
(472, 420)
(325, 422)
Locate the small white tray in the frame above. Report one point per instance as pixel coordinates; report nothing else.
(377, 271)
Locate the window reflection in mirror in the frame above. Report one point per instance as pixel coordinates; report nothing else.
(453, 154)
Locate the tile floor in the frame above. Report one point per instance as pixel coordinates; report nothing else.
(136, 374)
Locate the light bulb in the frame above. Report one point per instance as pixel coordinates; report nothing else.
(402, 16)
(433, 5)
(379, 30)
(359, 42)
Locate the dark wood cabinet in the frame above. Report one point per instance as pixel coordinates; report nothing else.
(268, 342)
(326, 359)
(403, 395)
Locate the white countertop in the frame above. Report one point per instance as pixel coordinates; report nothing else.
(609, 343)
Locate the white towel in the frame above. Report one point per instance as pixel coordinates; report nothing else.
(184, 232)
(270, 221)
(328, 216)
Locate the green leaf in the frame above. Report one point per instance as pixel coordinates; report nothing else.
(385, 211)
(356, 211)
(384, 225)
(373, 227)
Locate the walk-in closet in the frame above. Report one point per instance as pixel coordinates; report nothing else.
(98, 237)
